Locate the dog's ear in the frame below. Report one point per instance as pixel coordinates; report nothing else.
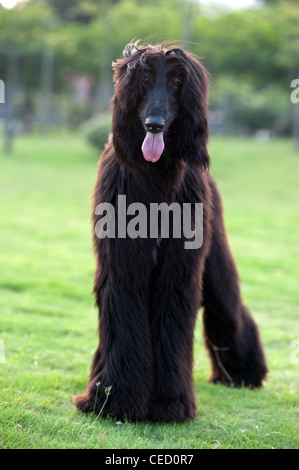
(193, 123)
(126, 99)
(127, 86)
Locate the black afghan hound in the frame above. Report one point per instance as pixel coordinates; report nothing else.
(149, 288)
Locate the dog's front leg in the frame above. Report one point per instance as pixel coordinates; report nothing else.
(175, 300)
(121, 378)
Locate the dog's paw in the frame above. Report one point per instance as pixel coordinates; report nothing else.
(84, 402)
(165, 409)
(238, 380)
(104, 403)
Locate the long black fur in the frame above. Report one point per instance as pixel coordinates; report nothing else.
(149, 291)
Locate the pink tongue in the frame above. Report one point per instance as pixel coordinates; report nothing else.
(153, 146)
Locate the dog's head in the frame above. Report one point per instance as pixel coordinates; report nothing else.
(160, 105)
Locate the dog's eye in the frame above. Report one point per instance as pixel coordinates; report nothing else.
(146, 79)
(176, 83)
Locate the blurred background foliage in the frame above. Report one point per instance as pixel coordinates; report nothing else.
(56, 55)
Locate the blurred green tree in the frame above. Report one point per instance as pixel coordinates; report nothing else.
(43, 41)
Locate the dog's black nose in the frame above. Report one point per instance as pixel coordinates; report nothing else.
(154, 124)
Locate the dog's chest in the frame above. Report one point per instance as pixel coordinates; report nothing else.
(155, 251)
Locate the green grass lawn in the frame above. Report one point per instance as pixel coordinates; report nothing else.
(48, 322)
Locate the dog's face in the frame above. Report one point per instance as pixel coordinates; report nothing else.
(161, 98)
(160, 104)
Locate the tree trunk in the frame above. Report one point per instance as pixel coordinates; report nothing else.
(12, 77)
(47, 62)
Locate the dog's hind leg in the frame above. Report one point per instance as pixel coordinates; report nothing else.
(231, 335)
